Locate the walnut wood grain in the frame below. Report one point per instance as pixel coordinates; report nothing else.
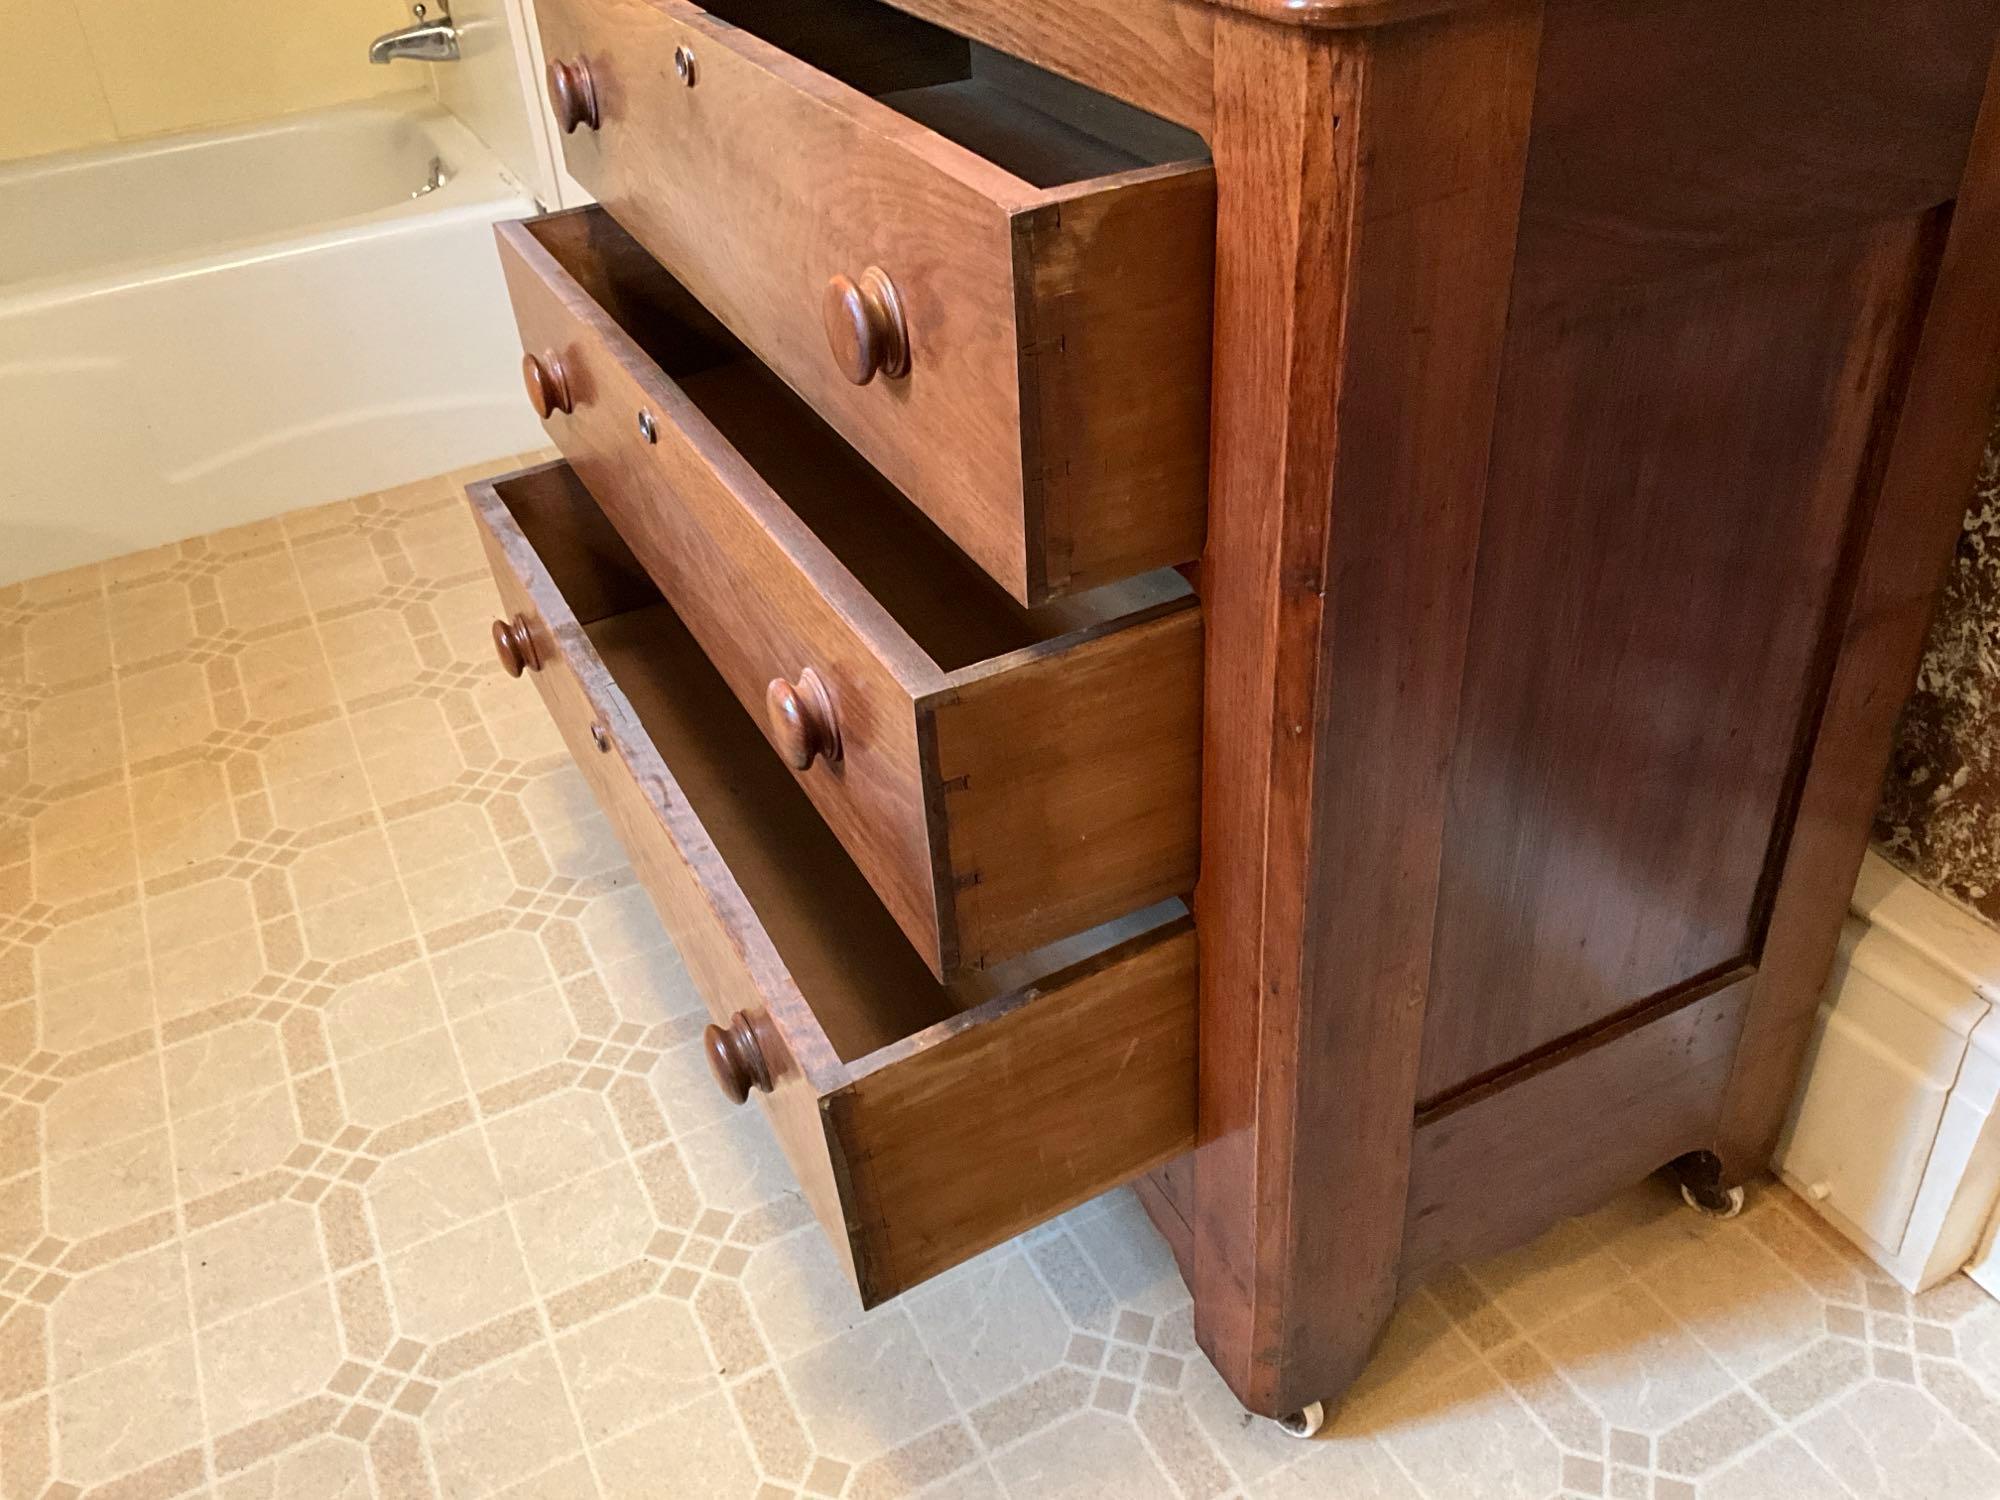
(1489, 1173)
(924, 1122)
(777, 175)
(1150, 53)
(1003, 776)
(1339, 15)
(1350, 450)
(572, 97)
(1932, 446)
(736, 1057)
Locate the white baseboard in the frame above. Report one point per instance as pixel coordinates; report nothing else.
(1894, 1136)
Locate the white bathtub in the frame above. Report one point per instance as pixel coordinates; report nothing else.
(211, 328)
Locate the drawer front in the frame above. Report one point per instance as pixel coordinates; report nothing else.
(1053, 416)
(935, 1135)
(993, 809)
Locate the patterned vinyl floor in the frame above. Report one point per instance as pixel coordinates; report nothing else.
(354, 1142)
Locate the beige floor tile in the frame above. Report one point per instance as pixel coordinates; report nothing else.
(572, 1479)
(497, 1424)
(1134, 1261)
(1887, 1441)
(266, 1359)
(109, 1186)
(258, 592)
(584, 1227)
(514, 1037)
(183, 817)
(1466, 1434)
(22, 1220)
(66, 641)
(71, 583)
(677, 1079)
(1090, 1456)
(405, 1078)
(458, 1280)
(407, 749)
(868, 1390)
(108, 1105)
(989, 1327)
(350, 926)
(223, 1064)
(239, 1141)
(149, 622)
(75, 736)
(578, 840)
(381, 1009)
(1735, 1297)
(802, 1293)
(166, 708)
(436, 1187)
(553, 1140)
(337, 569)
(371, 654)
(253, 1258)
(501, 966)
(102, 943)
(206, 973)
(737, 1164)
(328, 1468)
(521, 729)
(99, 1009)
(460, 888)
(695, 1450)
(118, 1310)
(285, 675)
(1778, 1470)
(350, 866)
(1349, 1469)
(121, 1416)
(1626, 1354)
(629, 1366)
(194, 915)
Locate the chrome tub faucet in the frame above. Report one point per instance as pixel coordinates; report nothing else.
(422, 40)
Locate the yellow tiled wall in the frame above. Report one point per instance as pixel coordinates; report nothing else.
(85, 71)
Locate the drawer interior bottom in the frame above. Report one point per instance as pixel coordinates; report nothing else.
(953, 611)
(867, 986)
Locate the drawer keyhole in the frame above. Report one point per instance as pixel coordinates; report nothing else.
(802, 720)
(865, 327)
(572, 95)
(736, 1058)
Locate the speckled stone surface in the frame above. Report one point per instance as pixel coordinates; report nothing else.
(355, 1142)
(1940, 815)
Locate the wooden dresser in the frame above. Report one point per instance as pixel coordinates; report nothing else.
(1299, 601)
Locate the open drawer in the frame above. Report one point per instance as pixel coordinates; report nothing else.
(1004, 776)
(993, 282)
(925, 1122)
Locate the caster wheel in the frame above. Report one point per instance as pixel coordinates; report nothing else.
(1713, 1202)
(1305, 1422)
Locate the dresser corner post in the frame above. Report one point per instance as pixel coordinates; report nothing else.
(1365, 250)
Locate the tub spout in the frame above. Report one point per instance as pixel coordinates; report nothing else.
(422, 40)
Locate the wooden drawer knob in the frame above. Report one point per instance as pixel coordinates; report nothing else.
(548, 385)
(514, 644)
(735, 1058)
(571, 95)
(802, 720)
(864, 326)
